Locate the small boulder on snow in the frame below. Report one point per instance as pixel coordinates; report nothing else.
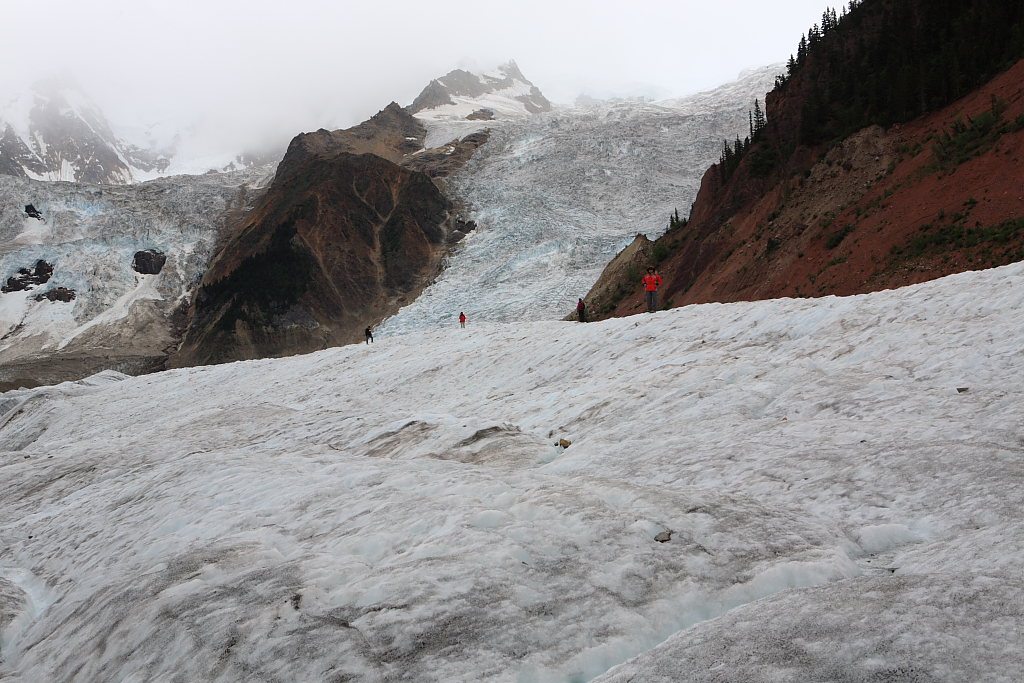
(481, 115)
(149, 262)
(33, 212)
(58, 294)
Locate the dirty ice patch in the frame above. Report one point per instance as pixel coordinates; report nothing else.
(879, 537)
(145, 290)
(917, 627)
(35, 232)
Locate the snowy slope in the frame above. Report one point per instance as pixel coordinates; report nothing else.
(555, 196)
(841, 481)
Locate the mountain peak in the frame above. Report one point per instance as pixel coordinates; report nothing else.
(460, 95)
(56, 132)
(511, 69)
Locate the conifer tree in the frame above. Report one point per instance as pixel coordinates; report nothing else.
(758, 121)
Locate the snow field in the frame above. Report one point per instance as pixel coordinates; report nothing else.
(838, 510)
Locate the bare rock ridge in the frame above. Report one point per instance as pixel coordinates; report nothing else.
(390, 134)
(832, 197)
(344, 236)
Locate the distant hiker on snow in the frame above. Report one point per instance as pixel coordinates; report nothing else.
(581, 311)
(462, 319)
(369, 335)
(651, 283)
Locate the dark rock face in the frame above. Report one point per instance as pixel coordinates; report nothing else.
(28, 278)
(149, 262)
(535, 102)
(353, 227)
(57, 294)
(434, 95)
(339, 242)
(441, 162)
(16, 157)
(32, 212)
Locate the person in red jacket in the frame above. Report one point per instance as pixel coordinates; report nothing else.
(651, 283)
(462, 319)
(581, 311)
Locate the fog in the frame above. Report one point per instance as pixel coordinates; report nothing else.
(249, 73)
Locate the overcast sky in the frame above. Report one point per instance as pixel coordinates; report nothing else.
(247, 68)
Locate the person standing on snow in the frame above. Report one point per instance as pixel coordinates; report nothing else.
(462, 319)
(369, 335)
(581, 311)
(652, 280)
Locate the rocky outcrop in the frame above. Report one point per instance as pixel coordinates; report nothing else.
(390, 134)
(441, 162)
(28, 278)
(353, 227)
(149, 261)
(339, 241)
(619, 278)
(57, 294)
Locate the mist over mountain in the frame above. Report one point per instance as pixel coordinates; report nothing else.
(53, 131)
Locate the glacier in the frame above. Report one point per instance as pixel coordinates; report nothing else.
(555, 196)
(795, 489)
(89, 234)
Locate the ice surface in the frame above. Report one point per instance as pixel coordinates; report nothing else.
(837, 509)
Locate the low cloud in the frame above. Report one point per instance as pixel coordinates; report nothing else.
(260, 71)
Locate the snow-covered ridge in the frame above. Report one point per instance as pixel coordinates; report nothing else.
(735, 93)
(838, 480)
(461, 103)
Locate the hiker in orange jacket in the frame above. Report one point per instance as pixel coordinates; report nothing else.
(651, 283)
